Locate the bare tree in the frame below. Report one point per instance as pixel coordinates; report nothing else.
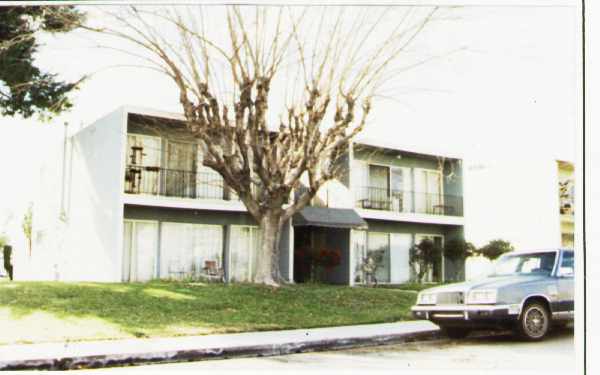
(325, 64)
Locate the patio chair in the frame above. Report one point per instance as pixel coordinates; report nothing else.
(211, 271)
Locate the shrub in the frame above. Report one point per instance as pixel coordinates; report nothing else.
(458, 249)
(328, 258)
(423, 256)
(495, 248)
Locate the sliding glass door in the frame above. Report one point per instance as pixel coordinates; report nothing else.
(180, 173)
(400, 244)
(379, 186)
(401, 189)
(378, 249)
(143, 161)
(436, 274)
(244, 253)
(209, 183)
(428, 192)
(189, 249)
(359, 254)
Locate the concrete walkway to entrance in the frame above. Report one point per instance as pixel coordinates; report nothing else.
(96, 354)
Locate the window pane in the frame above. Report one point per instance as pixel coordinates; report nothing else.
(359, 253)
(146, 236)
(435, 273)
(142, 152)
(209, 183)
(207, 248)
(379, 251)
(243, 253)
(179, 176)
(186, 249)
(126, 250)
(379, 177)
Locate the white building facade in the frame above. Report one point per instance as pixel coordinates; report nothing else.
(128, 199)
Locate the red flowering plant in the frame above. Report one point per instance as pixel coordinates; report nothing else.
(328, 258)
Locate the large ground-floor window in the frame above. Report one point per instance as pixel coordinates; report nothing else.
(389, 252)
(140, 246)
(243, 256)
(436, 273)
(190, 250)
(185, 250)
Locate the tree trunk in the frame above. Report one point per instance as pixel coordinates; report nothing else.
(267, 269)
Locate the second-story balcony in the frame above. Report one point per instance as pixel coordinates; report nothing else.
(175, 183)
(403, 201)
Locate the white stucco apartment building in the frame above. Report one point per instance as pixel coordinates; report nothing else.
(127, 198)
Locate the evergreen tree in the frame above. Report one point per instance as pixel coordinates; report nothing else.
(25, 89)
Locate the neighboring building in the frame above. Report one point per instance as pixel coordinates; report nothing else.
(532, 204)
(566, 195)
(135, 203)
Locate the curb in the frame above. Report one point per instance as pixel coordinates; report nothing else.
(188, 355)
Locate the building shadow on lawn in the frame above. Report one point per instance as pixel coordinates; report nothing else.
(177, 308)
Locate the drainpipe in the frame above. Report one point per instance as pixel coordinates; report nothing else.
(63, 213)
(58, 259)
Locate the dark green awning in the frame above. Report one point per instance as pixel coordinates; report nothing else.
(329, 217)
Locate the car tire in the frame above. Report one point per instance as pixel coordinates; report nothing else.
(456, 332)
(534, 322)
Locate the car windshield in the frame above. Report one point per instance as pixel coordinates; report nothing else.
(525, 264)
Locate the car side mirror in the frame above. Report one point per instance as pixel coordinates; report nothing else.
(565, 272)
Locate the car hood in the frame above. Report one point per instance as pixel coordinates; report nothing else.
(492, 282)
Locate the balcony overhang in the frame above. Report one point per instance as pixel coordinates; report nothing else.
(172, 202)
(329, 218)
(410, 217)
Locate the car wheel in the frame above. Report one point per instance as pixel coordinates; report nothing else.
(534, 322)
(456, 332)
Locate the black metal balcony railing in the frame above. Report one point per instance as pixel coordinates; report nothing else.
(376, 198)
(175, 183)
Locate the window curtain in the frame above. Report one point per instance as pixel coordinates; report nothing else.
(185, 248)
(127, 244)
(379, 186)
(359, 253)
(144, 251)
(244, 253)
(142, 151)
(179, 176)
(379, 249)
(428, 190)
(209, 183)
(401, 189)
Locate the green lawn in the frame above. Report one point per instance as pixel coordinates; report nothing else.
(52, 311)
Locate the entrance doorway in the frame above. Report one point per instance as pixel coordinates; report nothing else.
(320, 253)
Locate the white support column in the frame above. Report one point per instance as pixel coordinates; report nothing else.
(351, 258)
(291, 253)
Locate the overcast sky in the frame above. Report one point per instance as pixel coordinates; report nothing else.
(510, 91)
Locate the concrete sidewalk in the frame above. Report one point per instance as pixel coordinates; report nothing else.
(96, 354)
